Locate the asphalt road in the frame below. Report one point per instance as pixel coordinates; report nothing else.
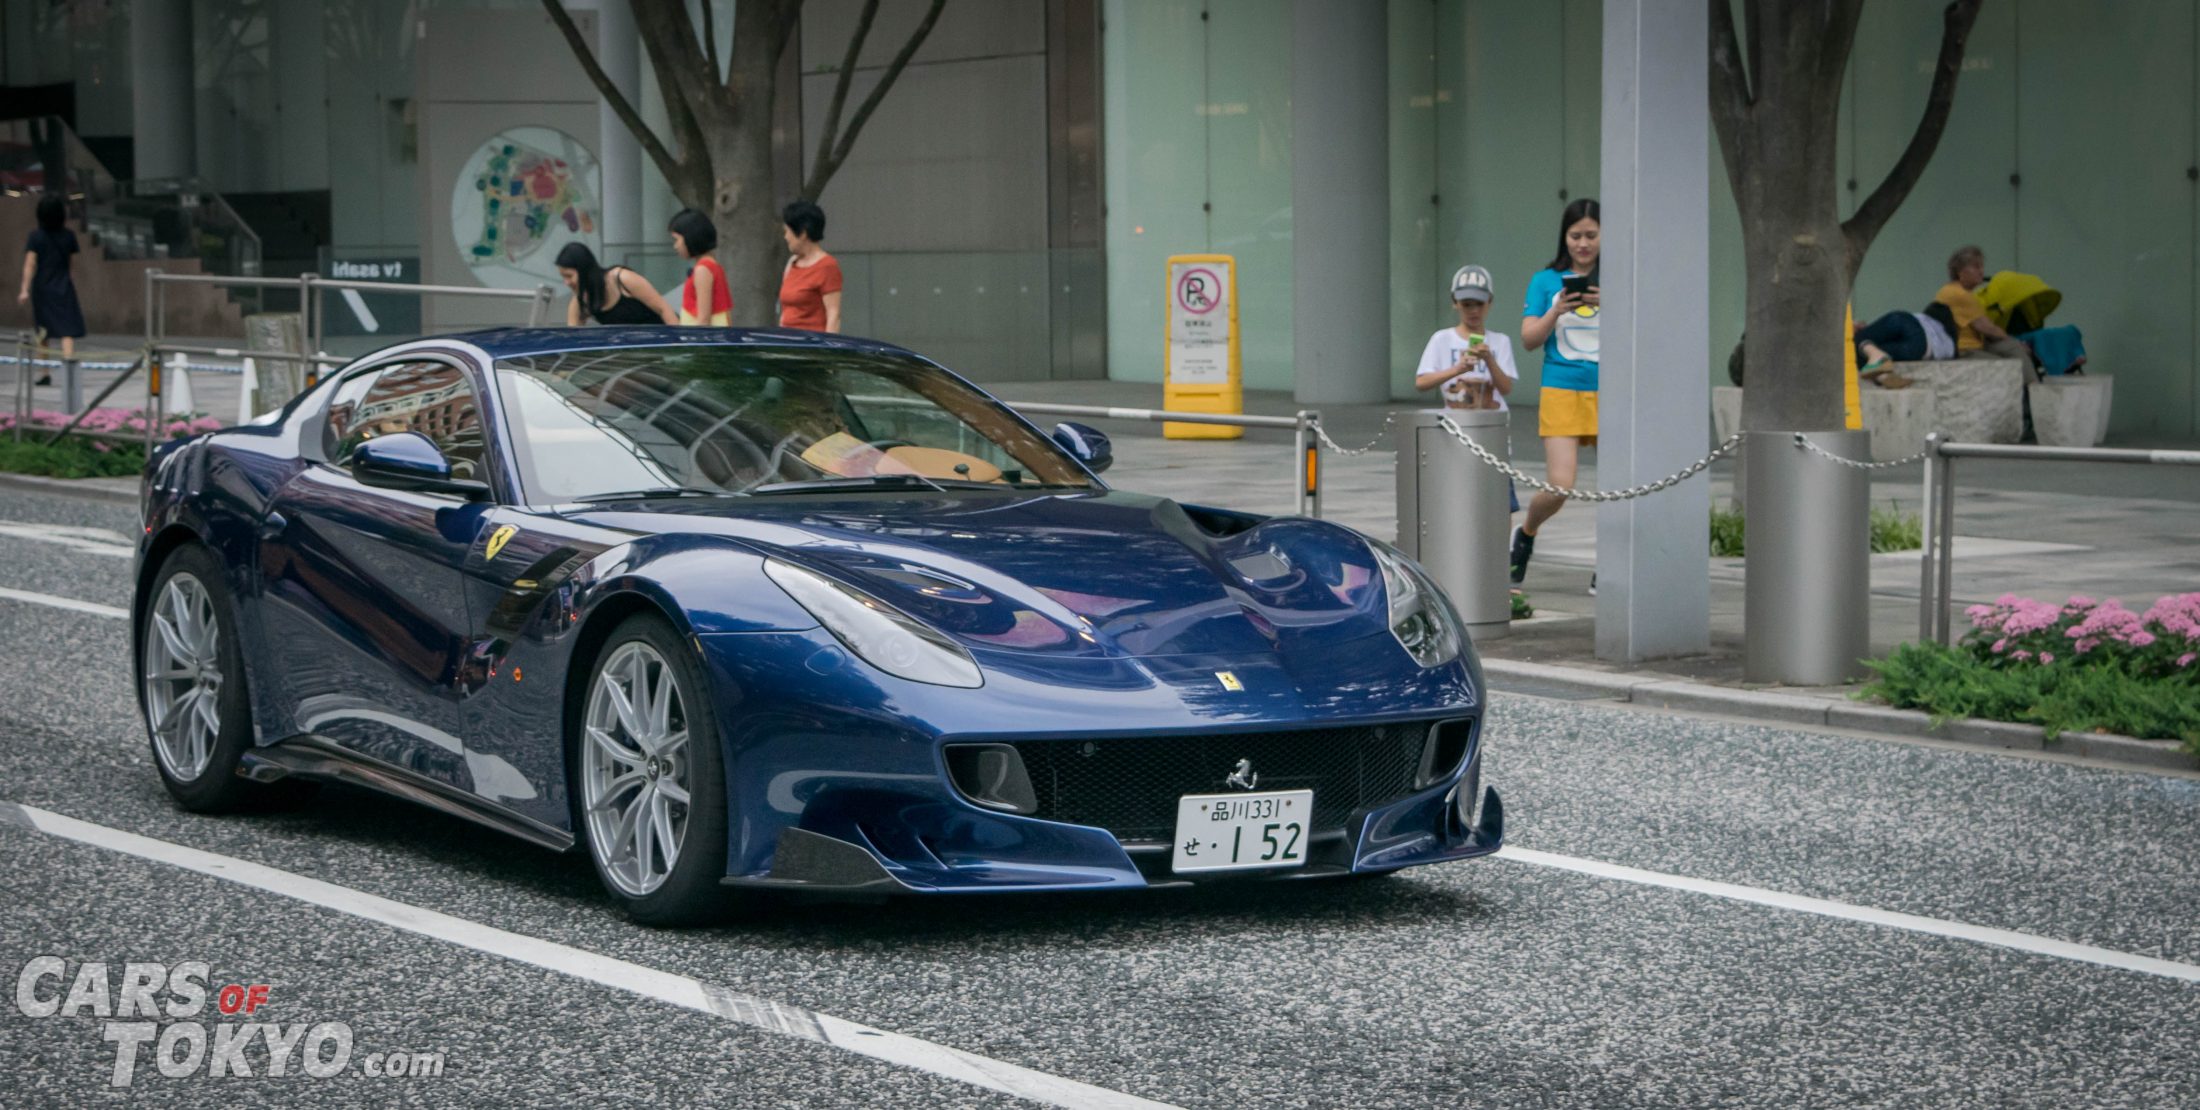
(1493, 982)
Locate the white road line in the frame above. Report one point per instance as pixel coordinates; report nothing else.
(664, 986)
(2005, 938)
(92, 607)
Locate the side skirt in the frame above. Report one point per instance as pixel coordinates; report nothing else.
(311, 757)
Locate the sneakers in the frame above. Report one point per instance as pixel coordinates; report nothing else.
(1523, 546)
(1592, 583)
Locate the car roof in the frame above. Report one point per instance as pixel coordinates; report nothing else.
(521, 342)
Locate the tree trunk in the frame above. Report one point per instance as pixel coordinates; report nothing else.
(750, 247)
(1797, 265)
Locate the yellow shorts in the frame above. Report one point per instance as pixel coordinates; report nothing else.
(1567, 412)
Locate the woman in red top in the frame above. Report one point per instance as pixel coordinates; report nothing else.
(694, 237)
(809, 291)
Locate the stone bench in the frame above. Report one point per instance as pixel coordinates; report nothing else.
(2072, 410)
(1898, 419)
(1979, 400)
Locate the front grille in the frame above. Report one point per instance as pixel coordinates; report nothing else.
(1129, 785)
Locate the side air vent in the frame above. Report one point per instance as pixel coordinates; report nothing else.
(1447, 746)
(993, 776)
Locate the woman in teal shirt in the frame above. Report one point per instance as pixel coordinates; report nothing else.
(1565, 321)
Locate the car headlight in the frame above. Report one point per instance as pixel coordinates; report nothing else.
(878, 633)
(1419, 616)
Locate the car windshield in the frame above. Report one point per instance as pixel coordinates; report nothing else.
(645, 421)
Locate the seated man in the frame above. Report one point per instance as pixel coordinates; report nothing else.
(1976, 335)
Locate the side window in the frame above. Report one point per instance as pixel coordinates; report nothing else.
(431, 398)
(343, 412)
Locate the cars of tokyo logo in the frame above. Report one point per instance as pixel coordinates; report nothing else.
(1198, 291)
(160, 1010)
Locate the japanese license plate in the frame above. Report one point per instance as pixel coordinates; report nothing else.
(1238, 832)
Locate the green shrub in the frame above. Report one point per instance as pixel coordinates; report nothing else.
(1892, 530)
(2082, 665)
(1895, 530)
(73, 457)
(2109, 696)
(1726, 533)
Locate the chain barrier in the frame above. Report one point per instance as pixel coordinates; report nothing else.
(1526, 479)
(1804, 442)
(1389, 418)
(1530, 480)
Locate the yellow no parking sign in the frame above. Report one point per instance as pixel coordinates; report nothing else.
(1202, 372)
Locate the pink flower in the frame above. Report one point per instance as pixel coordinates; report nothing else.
(2000, 644)
(2046, 657)
(2078, 602)
(2186, 659)
(2020, 655)
(2139, 639)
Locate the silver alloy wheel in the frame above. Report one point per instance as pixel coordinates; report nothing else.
(634, 768)
(183, 677)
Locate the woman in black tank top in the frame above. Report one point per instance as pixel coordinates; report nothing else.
(614, 296)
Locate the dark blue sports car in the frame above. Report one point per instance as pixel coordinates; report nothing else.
(781, 611)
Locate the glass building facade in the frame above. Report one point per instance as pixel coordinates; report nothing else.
(2073, 153)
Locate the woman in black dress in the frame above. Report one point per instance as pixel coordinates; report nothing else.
(614, 296)
(46, 283)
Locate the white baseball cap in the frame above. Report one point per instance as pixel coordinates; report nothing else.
(1471, 283)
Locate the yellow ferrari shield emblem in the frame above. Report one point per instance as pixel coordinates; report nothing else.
(1229, 680)
(500, 537)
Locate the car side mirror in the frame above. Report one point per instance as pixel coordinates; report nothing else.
(410, 461)
(1086, 444)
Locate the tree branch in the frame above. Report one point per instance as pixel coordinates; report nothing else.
(1871, 216)
(825, 170)
(1730, 94)
(710, 43)
(620, 106)
(831, 133)
(1840, 34)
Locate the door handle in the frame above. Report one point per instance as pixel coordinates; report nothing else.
(272, 525)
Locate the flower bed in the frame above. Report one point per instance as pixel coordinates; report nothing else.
(108, 443)
(2084, 665)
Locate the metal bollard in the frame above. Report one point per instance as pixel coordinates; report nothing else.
(72, 386)
(1808, 587)
(1452, 514)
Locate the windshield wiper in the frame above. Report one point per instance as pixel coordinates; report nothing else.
(656, 492)
(875, 481)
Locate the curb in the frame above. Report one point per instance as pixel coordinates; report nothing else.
(70, 487)
(1662, 692)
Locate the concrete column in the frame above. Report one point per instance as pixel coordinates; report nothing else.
(161, 97)
(1654, 593)
(1340, 201)
(619, 50)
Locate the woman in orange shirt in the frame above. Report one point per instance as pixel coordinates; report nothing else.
(809, 290)
(693, 238)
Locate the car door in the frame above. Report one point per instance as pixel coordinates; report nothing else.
(362, 589)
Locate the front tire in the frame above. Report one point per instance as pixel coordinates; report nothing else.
(191, 677)
(649, 776)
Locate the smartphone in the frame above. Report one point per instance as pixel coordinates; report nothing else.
(1579, 284)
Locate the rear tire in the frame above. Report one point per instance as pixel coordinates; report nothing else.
(191, 686)
(648, 775)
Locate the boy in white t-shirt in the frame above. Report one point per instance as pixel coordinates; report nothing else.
(1471, 364)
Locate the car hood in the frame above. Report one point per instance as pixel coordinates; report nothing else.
(1089, 573)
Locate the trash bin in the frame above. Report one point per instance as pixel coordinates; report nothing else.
(1453, 516)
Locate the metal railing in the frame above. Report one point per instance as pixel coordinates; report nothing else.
(1305, 427)
(310, 287)
(1936, 562)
